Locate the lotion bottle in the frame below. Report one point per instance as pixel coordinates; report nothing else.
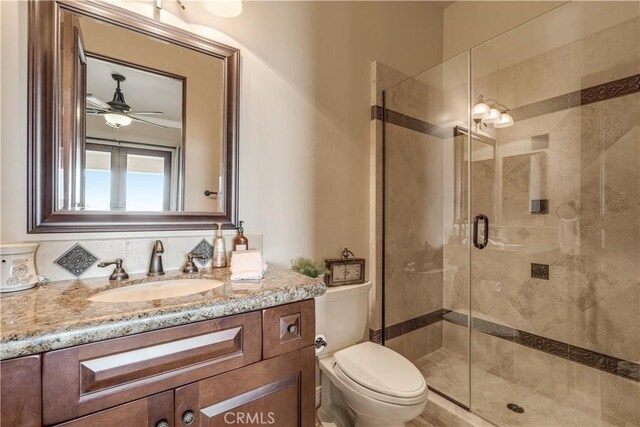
(219, 259)
(240, 242)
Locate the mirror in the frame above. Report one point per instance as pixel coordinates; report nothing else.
(524, 184)
(143, 131)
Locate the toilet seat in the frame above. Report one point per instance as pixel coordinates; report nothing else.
(380, 373)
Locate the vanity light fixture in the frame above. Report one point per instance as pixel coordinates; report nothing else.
(505, 121)
(224, 8)
(480, 110)
(491, 111)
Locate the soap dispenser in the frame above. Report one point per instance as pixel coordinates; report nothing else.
(219, 250)
(240, 242)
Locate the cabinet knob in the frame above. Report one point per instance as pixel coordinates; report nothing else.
(188, 417)
(163, 423)
(292, 329)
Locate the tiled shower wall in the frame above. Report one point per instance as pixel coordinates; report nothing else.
(555, 314)
(571, 288)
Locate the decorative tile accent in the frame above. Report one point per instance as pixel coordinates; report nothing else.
(540, 207)
(622, 368)
(494, 329)
(457, 318)
(393, 331)
(414, 324)
(375, 336)
(605, 363)
(547, 345)
(540, 271)
(609, 90)
(203, 248)
(408, 122)
(76, 260)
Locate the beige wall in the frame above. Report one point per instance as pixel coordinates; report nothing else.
(304, 119)
(469, 23)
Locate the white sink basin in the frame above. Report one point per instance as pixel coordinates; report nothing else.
(156, 290)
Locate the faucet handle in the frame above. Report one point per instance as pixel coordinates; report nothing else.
(191, 266)
(118, 272)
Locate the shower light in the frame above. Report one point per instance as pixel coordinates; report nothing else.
(480, 110)
(505, 121)
(493, 116)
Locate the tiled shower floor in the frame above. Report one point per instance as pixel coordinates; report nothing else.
(448, 371)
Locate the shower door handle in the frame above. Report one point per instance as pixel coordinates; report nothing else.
(476, 221)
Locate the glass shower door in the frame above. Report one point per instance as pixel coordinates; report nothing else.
(555, 294)
(426, 224)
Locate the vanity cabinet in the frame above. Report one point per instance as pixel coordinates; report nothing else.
(154, 411)
(21, 392)
(273, 392)
(200, 374)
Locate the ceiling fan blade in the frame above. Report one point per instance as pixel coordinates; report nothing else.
(147, 122)
(160, 121)
(143, 113)
(97, 102)
(96, 111)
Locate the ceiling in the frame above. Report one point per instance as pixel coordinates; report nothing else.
(143, 91)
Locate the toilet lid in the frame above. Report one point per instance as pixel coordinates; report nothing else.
(381, 369)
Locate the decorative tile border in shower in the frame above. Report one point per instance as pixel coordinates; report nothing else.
(414, 324)
(408, 122)
(375, 336)
(613, 365)
(602, 92)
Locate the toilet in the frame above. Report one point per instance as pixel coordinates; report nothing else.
(362, 383)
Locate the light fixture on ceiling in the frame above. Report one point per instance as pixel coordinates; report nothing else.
(117, 120)
(491, 111)
(224, 8)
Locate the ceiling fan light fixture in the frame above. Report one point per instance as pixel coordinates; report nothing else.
(224, 8)
(117, 120)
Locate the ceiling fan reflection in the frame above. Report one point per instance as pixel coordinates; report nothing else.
(117, 112)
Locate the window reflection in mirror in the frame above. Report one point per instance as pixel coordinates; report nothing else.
(153, 125)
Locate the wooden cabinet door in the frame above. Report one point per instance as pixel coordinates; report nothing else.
(81, 380)
(20, 397)
(154, 411)
(277, 392)
(288, 327)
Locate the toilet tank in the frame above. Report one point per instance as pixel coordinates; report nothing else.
(342, 316)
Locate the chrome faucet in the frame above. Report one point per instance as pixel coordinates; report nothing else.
(155, 265)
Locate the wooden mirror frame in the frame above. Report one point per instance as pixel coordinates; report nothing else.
(45, 133)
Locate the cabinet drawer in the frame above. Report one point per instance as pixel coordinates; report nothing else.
(149, 412)
(288, 327)
(88, 378)
(280, 393)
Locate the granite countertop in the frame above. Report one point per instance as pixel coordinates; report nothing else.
(59, 314)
